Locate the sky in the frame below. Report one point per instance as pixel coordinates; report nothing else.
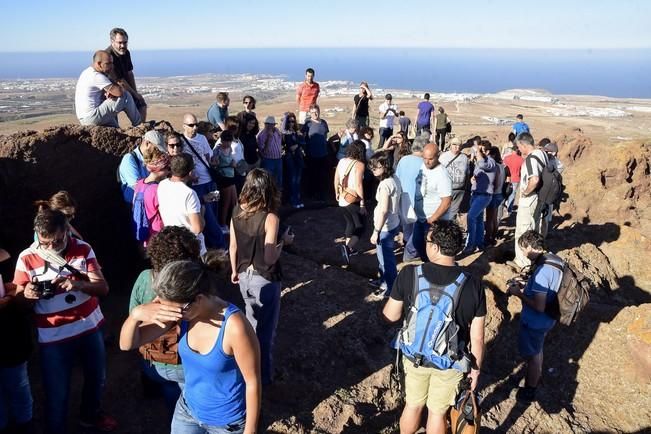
(37, 25)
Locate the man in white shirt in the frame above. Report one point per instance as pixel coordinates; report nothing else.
(388, 112)
(530, 177)
(433, 196)
(98, 100)
(178, 204)
(197, 146)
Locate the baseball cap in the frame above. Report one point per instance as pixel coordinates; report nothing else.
(270, 120)
(156, 138)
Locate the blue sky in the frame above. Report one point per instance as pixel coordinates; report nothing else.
(36, 25)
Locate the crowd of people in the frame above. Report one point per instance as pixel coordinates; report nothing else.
(205, 204)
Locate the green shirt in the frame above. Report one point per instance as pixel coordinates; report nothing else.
(142, 291)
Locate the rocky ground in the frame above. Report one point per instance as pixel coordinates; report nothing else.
(332, 356)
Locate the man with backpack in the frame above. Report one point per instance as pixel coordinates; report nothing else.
(531, 173)
(442, 338)
(132, 167)
(537, 294)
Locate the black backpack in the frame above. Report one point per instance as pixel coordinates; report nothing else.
(573, 294)
(550, 188)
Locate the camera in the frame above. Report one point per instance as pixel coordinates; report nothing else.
(45, 289)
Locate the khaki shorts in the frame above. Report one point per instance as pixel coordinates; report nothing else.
(434, 387)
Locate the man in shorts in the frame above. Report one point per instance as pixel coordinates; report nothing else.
(538, 291)
(428, 385)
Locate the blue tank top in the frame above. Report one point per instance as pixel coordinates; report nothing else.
(214, 386)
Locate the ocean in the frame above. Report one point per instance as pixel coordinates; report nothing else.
(614, 73)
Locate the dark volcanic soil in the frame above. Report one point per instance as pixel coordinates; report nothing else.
(332, 355)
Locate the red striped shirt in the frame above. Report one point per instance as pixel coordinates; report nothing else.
(68, 314)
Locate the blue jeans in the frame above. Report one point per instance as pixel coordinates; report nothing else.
(295, 172)
(262, 299)
(418, 238)
(385, 133)
(275, 167)
(511, 199)
(478, 203)
(15, 396)
(169, 378)
(57, 361)
(386, 257)
(211, 231)
(184, 423)
(410, 251)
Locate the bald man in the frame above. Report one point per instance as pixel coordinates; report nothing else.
(98, 100)
(433, 196)
(197, 146)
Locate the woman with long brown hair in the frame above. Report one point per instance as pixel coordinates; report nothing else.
(255, 247)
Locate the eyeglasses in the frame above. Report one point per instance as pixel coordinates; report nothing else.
(190, 125)
(52, 243)
(174, 145)
(186, 306)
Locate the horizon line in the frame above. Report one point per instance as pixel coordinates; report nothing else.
(347, 48)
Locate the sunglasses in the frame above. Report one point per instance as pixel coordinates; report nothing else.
(174, 145)
(190, 125)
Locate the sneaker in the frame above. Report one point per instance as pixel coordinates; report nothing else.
(301, 205)
(526, 394)
(102, 423)
(344, 253)
(297, 206)
(380, 293)
(376, 283)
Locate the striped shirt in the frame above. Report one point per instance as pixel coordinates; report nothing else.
(273, 149)
(67, 315)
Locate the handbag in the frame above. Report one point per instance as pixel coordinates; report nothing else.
(214, 173)
(350, 196)
(465, 415)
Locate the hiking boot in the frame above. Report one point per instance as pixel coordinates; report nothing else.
(526, 394)
(102, 423)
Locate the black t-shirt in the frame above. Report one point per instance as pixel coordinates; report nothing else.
(121, 64)
(472, 301)
(362, 105)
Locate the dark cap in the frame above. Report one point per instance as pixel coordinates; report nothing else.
(551, 147)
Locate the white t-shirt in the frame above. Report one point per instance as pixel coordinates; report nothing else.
(89, 93)
(525, 174)
(431, 186)
(176, 201)
(202, 147)
(390, 187)
(342, 167)
(388, 121)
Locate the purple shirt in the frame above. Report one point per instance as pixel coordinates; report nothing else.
(273, 149)
(425, 109)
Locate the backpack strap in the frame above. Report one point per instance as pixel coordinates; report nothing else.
(452, 160)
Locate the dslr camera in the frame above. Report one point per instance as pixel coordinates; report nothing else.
(45, 289)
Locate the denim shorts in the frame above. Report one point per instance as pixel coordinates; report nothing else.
(530, 341)
(185, 423)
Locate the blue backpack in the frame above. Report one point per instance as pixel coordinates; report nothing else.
(141, 223)
(429, 335)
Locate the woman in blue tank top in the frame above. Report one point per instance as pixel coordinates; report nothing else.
(219, 349)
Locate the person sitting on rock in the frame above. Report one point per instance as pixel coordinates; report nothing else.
(536, 293)
(98, 100)
(123, 68)
(132, 167)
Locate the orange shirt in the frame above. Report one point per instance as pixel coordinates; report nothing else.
(307, 95)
